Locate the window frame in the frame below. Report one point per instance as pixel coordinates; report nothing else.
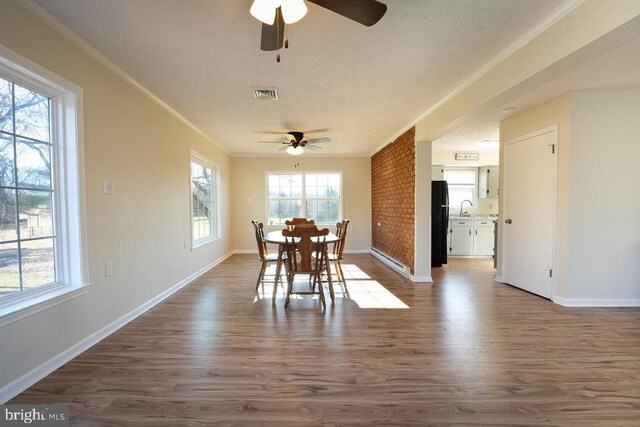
(473, 169)
(195, 157)
(303, 198)
(67, 180)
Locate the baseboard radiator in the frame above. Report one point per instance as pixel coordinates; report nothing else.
(391, 262)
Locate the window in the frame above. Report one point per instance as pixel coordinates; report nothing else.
(42, 249)
(204, 200)
(27, 238)
(314, 195)
(462, 185)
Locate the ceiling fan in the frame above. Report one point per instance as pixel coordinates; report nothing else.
(295, 143)
(275, 14)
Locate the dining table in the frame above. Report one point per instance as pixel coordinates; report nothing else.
(277, 238)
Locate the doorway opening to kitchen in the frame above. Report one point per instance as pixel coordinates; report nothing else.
(465, 190)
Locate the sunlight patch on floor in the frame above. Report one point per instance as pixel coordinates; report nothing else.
(371, 294)
(352, 272)
(361, 289)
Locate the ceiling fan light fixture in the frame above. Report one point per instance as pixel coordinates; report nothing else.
(294, 151)
(265, 10)
(293, 10)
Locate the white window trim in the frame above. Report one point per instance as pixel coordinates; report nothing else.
(196, 157)
(474, 169)
(303, 207)
(72, 273)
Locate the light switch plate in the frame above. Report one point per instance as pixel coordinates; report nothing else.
(108, 269)
(107, 187)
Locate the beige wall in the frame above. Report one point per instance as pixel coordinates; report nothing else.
(248, 177)
(141, 227)
(604, 202)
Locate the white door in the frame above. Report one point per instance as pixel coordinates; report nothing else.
(530, 212)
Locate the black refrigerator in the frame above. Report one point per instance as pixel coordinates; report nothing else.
(439, 222)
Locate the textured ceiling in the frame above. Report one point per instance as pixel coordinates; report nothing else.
(360, 85)
(616, 69)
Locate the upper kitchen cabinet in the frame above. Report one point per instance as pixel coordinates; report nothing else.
(488, 182)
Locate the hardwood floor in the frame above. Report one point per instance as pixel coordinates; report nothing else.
(467, 350)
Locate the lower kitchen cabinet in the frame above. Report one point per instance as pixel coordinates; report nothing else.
(483, 238)
(468, 237)
(461, 242)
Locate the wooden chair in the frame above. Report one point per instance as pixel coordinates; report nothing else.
(312, 260)
(299, 222)
(263, 254)
(337, 254)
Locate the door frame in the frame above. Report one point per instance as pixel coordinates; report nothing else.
(505, 168)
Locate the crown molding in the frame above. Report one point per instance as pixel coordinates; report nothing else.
(72, 36)
(527, 37)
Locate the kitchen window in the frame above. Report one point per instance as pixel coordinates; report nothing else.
(462, 185)
(313, 195)
(204, 200)
(42, 249)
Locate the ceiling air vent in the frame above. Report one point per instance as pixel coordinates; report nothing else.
(266, 94)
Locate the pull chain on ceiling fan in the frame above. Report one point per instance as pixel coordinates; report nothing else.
(275, 14)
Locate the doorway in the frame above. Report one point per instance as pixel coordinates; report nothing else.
(530, 211)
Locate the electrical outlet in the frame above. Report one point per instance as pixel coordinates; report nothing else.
(108, 269)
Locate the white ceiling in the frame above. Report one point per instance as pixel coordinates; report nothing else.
(360, 86)
(616, 69)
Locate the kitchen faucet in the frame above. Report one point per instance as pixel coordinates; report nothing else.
(470, 202)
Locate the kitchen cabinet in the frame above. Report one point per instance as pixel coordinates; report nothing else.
(461, 243)
(437, 172)
(483, 238)
(471, 237)
(488, 182)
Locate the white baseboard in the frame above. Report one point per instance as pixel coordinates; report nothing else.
(499, 279)
(246, 251)
(25, 381)
(391, 262)
(421, 279)
(597, 302)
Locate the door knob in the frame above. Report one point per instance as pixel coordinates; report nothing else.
(508, 221)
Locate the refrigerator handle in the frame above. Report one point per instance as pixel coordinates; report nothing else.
(446, 216)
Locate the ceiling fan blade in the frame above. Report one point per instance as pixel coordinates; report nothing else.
(318, 140)
(313, 147)
(273, 35)
(365, 12)
(283, 148)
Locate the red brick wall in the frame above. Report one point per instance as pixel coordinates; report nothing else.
(393, 176)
